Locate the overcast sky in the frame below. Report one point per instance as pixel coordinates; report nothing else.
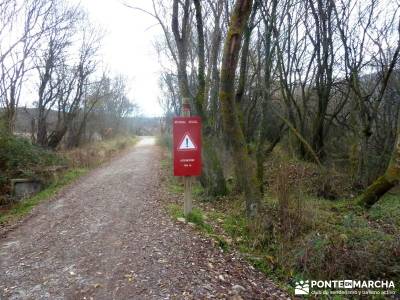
(128, 47)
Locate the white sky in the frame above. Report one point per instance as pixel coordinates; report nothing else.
(128, 47)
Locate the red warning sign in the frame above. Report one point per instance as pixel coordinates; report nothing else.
(187, 146)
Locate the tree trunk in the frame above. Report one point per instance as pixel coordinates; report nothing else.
(56, 136)
(41, 137)
(33, 130)
(266, 99)
(213, 179)
(76, 139)
(10, 116)
(318, 135)
(384, 183)
(214, 86)
(363, 175)
(244, 170)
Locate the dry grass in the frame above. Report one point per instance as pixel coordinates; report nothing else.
(293, 217)
(326, 183)
(92, 155)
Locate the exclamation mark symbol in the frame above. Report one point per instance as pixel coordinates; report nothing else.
(187, 143)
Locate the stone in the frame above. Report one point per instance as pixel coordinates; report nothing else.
(238, 288)
(22, 188)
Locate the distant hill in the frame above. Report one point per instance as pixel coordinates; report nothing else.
(146, 125)
(24, 119)
(139, 125)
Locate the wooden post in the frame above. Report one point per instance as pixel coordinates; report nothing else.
(187, 180)
(187, 207)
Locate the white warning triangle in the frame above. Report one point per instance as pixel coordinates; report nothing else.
(187, 143)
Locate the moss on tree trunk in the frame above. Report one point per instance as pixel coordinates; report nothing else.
(384, 183)
(244, 170)
(376, 190)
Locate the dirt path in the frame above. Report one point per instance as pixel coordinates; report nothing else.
(108, 237)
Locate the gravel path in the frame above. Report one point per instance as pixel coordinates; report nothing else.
(109, 237)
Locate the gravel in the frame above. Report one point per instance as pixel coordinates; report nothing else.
(108, 236)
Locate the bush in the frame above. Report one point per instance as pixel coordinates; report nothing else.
(19, 154)
(349, 249)
(19, 158)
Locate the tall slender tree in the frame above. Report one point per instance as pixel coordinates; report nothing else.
(244, 170)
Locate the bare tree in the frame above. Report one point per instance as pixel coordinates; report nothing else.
(75, 81)
(61, 24)
(359, 61)
(322, 40)
(265, 76)
(15, 54)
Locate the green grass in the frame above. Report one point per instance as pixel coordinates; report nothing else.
(21, 209)
(175, 211)
(176, 188)
(235, 226)
(387, 210)
(196, 216)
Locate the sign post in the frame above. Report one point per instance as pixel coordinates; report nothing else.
(187, 151)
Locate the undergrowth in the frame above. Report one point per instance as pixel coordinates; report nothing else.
(299, 236)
